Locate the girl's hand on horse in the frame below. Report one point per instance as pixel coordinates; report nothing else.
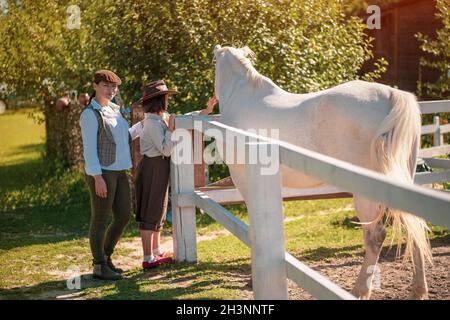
(172, 122)
(100, 187)
(211, 103)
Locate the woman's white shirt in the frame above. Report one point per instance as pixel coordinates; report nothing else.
(120, 131)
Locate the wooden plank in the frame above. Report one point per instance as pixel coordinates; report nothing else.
(438, 106)
(223, 216)
(199, 164)
(323, 196)
(265, 210)
(438, 163)
(429, 129)
(233, 196)
(183, 217)
(225, 196)
(445, 128)
(225, 182)
(438, 137)
(432, 177)
(434, 151)
(317, 285)
(323, 192)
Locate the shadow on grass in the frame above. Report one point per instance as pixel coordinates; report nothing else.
(28, 148)
(322, 253)
(173, 281)
(19, 175)
(41, 204)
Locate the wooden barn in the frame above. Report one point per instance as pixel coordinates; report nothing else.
(397, 43)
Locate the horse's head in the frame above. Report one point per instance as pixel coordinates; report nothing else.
(232, 65)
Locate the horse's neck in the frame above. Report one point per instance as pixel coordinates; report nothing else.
(265, 95)
(244, 92)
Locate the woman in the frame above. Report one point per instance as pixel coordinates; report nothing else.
(153, 172)
(106, 149)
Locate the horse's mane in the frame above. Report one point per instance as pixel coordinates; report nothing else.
(253, 75)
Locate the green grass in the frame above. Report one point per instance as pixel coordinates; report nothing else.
(44, 222)
(22, 139)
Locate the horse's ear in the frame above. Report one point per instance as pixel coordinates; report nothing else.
(248, 53)
(216, 48)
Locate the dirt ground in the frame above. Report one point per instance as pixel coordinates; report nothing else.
(395, 278)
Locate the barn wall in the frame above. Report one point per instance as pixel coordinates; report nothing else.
(396, 41)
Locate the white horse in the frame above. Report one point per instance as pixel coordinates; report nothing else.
(367, 124)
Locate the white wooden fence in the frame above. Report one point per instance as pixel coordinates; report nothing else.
(439, 148)
(271, 265)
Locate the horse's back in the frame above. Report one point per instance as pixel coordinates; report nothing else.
(340, 122)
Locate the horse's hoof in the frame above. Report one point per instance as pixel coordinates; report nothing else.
(418, 296)
(361, 295)
(364, 296)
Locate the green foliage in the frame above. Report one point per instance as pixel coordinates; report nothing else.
(439, 49)
(302, 45)
(37, 51)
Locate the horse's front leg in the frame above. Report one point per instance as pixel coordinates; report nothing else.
(374, 235)
(237, 173)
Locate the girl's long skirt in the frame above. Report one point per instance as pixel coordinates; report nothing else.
(151, 187)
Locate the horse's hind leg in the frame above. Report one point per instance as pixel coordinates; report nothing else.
(374, 235)
(419, 284)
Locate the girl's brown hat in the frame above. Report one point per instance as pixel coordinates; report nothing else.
(155, 89)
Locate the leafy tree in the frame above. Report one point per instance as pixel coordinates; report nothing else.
(37, 51)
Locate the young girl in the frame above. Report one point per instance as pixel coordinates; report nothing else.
(106, 149)
(153, 171)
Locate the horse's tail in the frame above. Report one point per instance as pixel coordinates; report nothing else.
(395, 149)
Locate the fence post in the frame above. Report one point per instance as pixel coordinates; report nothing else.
(438, 137)
(266, 230)
(183, 217)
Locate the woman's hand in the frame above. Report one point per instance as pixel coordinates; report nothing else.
(172, 122)
(100, 187)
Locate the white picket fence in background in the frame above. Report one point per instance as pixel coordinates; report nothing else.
(271, 265)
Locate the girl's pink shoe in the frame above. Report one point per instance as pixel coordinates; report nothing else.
(164, 254)
(164, 258)
(159, 260)
(150, 264)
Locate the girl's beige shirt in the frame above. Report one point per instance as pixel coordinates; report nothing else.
(155, 137)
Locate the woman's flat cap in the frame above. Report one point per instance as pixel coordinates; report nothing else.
(106, 76)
